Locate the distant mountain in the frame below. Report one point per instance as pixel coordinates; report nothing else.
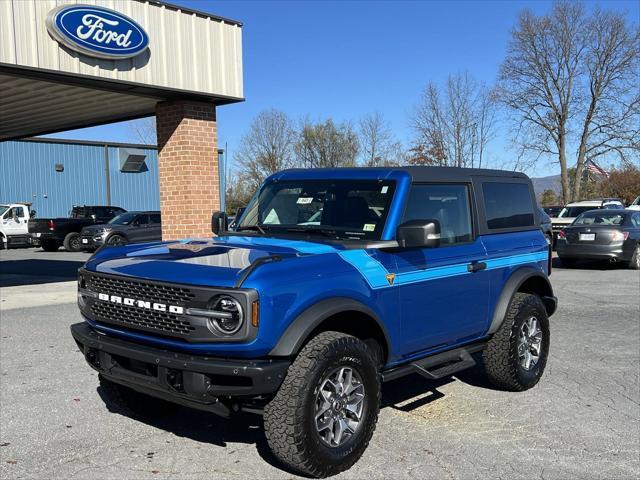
(551, 182)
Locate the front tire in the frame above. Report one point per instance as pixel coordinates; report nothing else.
(72, 242)
(516, 356)
(132, 403)
(324, 415)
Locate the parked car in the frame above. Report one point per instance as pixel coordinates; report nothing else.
(635, 205)
(602, 234)
(552, 210)
(302, 323)
(128, 227)
(52, 233)
(14, 230)
(569, 213)
(545, 225)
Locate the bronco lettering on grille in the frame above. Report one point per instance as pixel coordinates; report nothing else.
(132, 302)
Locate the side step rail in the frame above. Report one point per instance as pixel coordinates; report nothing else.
(437, 366)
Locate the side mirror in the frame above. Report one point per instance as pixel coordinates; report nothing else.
(33, 214)
(419, 234)
(219, 222)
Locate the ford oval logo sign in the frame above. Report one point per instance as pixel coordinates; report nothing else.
(97, 31)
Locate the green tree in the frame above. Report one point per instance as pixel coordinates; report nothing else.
(548, 198)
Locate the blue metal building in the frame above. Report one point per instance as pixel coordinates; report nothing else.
(56, 174)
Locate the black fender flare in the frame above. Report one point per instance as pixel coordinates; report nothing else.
(512, 285)
(304, 324)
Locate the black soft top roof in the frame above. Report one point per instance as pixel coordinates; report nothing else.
(424, 174)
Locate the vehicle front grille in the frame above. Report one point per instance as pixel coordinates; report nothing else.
(140, 290)
(139, 317)
(132, 316)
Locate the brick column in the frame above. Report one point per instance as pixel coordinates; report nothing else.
(188, 168)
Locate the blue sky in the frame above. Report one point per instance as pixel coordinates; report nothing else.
(344, 59)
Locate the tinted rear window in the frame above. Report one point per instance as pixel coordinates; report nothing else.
(508, 205)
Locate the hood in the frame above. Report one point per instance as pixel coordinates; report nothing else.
(217, 262)
(91, 229)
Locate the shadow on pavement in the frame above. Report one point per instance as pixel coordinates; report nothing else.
(34, 271)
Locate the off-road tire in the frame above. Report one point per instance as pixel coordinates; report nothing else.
(501, 361)
(49, 245)
(131, 403)
(289, 418)
(634, 263)
(568, 262)
(71, 242)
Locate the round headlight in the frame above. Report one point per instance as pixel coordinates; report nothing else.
(231, 315)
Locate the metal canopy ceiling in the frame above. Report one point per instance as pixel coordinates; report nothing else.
(33, 107)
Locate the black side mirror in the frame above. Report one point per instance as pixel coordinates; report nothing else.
(219, 222)
(419, 234)
(33, 214)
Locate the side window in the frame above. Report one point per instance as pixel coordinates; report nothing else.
(508, 205)
(154, 218)
(21, 212)
(141, 220)
(448, 204)
(636, 219)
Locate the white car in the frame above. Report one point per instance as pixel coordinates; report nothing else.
(13, 225)
(635, 205)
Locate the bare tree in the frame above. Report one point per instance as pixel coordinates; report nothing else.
(377, 145)
(267, 147)
(569, 78)
(454, 125)
(326, 144)
(144, 130)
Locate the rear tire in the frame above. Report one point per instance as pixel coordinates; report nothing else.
(129, 402)
(568, 262)
(72, 242)
(522, 339)
(634, 263)
(50, 245)
(323, 417)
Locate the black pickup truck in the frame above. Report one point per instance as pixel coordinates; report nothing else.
(51, 233)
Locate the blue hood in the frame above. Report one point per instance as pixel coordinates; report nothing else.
(217, 262)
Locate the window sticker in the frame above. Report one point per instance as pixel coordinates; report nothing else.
(384, 189)
(272, 217)
(304, 200)
(369, 227)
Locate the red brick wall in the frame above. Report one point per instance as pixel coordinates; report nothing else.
(188, 168)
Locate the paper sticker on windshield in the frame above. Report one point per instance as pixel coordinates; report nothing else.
(304, 200)
(384, 189)
(369, 227)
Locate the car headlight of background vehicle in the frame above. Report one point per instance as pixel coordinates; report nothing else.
(226, 314)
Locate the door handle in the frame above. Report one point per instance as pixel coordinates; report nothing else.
(476, 266)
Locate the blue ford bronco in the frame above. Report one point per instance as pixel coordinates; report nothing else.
(333, 282)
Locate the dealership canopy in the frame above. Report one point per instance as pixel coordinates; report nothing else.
(65, 65)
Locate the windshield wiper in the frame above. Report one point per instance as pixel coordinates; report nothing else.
(256, 227)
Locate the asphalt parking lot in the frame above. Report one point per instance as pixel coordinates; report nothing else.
(581, 421)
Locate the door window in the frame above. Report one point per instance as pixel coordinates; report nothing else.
(508, 205)
(448, 204)
(154, 218)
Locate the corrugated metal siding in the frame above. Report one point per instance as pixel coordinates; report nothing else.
(134, 191)
(27, 173)
(186, 51)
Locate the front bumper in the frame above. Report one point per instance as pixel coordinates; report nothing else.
(204, 383)
(91, 242)
(588, 251)
(18, 240)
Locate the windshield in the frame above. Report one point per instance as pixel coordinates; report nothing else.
(569, 212)
(341, 209)
(600, 218)
(3, 208)
(123, 219)
(636, 201)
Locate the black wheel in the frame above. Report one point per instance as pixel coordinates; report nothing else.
(130, 402)
(323, 417)
(634, 263)
(568, 262)
(516, 355)
(49, 246)
(72, 242)
(3, 242)
(116, 240)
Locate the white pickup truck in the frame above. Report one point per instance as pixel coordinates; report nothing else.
(13, 225)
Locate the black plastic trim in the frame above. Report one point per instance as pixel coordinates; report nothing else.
(512, 286)
(298, 332)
